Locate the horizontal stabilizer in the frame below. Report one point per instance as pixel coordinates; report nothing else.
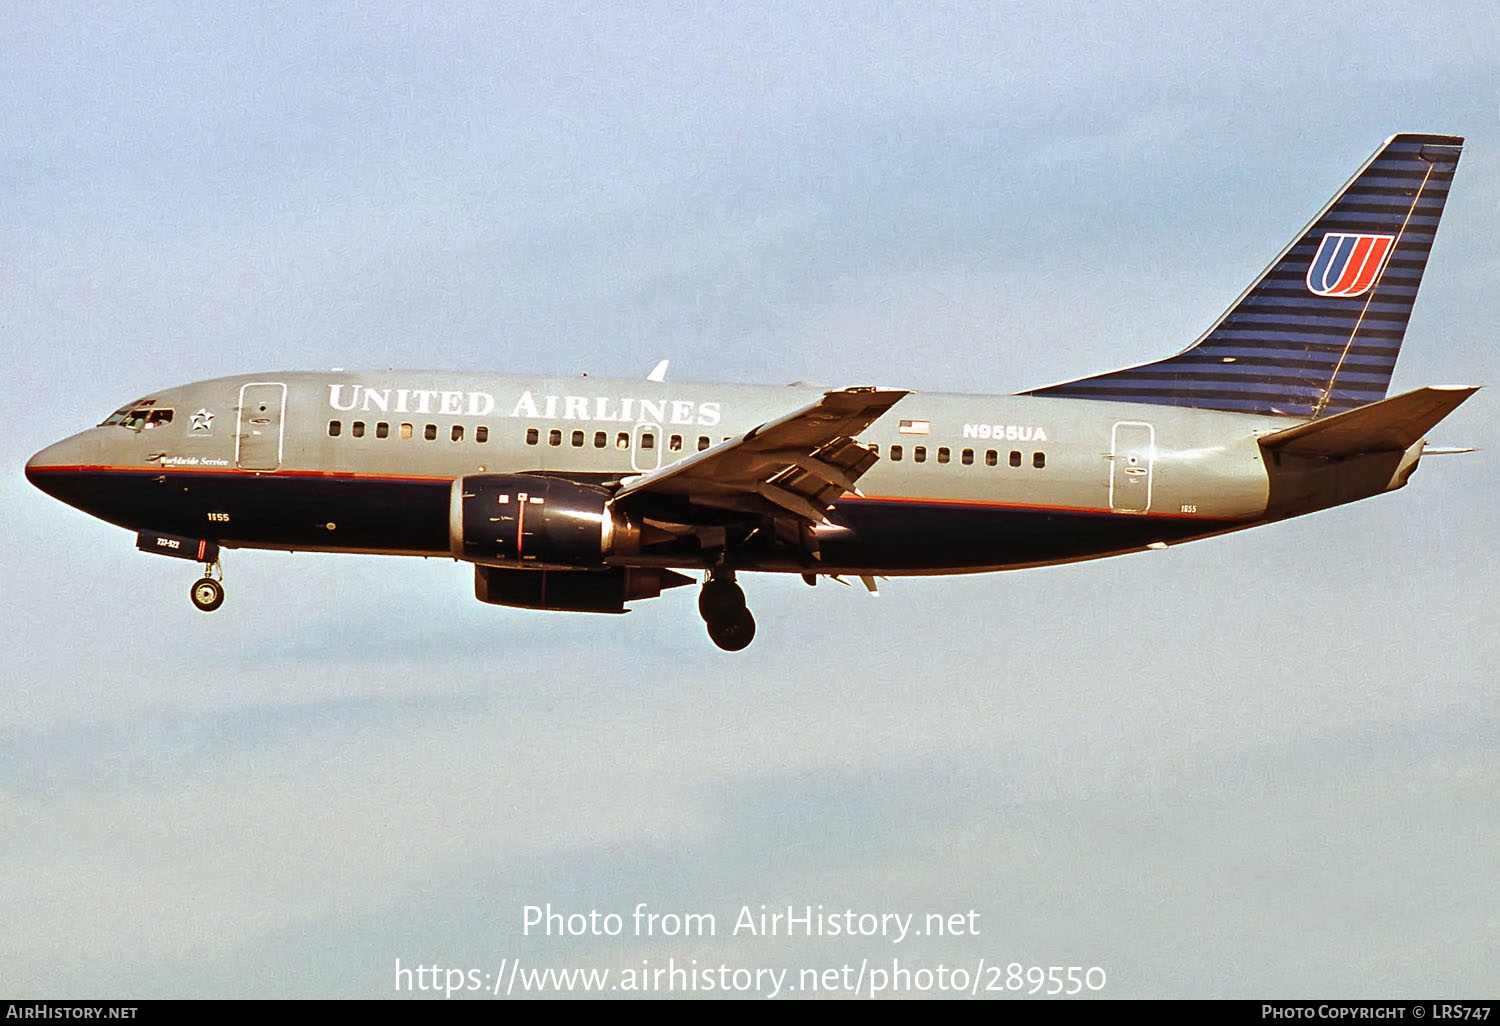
(1391, 425)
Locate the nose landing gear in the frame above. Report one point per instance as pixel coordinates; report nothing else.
(207, 593)
(721, 603)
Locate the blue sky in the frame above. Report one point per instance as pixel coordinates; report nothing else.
(1257, 765)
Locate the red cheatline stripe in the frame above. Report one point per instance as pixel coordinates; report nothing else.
(235, 472)
(852, 499)
(1022, 506)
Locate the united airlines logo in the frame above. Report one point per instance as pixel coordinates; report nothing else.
(1347, 265)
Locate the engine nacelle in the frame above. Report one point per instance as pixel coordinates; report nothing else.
(575, 591)
(524, 520)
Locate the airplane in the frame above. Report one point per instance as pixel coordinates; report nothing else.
(584, 494)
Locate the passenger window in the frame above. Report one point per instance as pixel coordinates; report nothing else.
(968, 457)
(578, 439)
(919, 454)
(600, 439)
(1039, 460)
(532, 436)
(457, 434)
(335, 428)
(622, 440)
(357, 429)
(648, 441)
(405, 430)
(675, 443)
(991, 458)
(382, 430)
(896, 453)
(554, 437)
(481, 434)
(430, 432)
(1015, 457)
(943, 454)
(702, 442)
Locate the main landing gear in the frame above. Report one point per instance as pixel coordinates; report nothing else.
(207, 593)
(721, 603)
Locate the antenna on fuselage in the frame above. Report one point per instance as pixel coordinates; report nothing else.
(659, 372)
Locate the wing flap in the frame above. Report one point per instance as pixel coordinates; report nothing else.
(799, 463)
(1391, 425)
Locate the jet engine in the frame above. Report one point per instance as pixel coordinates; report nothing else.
(525, 520)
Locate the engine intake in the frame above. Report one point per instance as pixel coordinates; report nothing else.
(524, 520)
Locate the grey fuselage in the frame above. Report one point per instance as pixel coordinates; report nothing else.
(364, 462)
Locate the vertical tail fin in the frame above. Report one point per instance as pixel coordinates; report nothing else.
(1319, 331)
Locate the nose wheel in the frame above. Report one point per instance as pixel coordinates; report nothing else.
(207, 593)
(721, 603)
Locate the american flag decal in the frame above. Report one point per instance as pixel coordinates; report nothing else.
(916, 427)
(1347, 265)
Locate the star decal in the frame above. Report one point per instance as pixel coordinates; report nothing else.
(203, 421)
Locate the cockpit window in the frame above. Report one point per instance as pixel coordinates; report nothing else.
(143, 420)
(139, 416)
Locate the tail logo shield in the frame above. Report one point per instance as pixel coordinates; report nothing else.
(1347, 265)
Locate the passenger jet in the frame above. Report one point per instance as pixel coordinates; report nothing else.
(585, 494)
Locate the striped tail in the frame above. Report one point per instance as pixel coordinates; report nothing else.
(1319, 331)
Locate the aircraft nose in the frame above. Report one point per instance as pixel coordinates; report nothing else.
(49, 467)
(41, 467)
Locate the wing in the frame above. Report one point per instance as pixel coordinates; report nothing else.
(797, 466)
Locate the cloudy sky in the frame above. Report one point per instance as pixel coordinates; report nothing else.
(1259, 765)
